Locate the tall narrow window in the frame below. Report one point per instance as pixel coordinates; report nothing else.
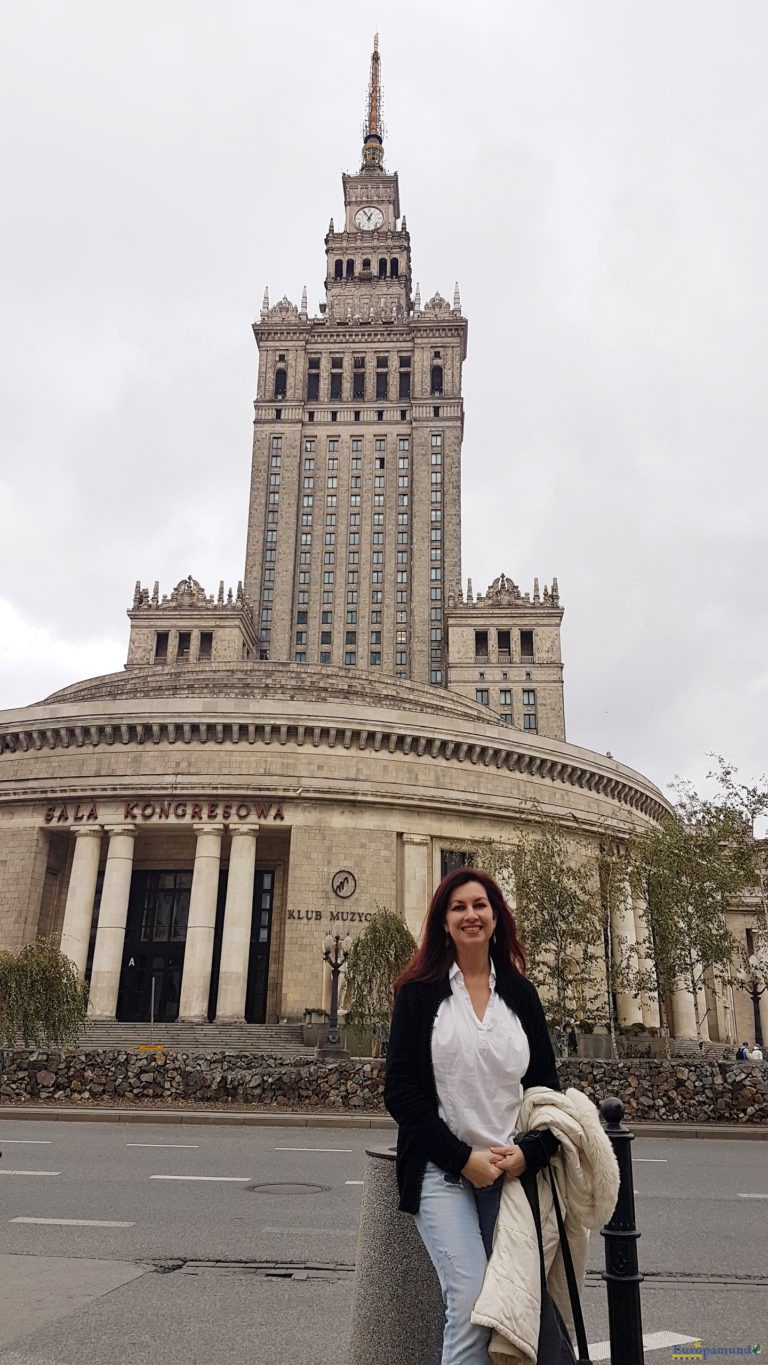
(358, 378)
(338, 270)
(336, 364)
(405, 376)
(436, 384)
(161, 647)
(382, 376)
(281, 382)
(526, 646)
(481, 645)
(313, 378)
(350, 270)
(394, 267)
(366, 270)
(205, 649)
(182, 650)
(503, 641)
(383, 268)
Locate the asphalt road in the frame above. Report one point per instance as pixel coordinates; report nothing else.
(170, 1282)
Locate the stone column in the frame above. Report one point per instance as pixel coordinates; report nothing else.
(198, 952)
(236, 937)
(78, 912)
(416, 882)
(624, 939)
(683, 1013)
(763, 1007)
(110, 930)
(649, 1005)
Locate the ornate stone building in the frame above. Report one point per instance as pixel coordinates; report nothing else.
(277, 760)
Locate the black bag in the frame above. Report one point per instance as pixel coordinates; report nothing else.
(555, 1346)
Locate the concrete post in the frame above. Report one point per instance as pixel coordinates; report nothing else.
(416, 883)
(198, 952)
(236, 936)
(110, 930)
(397, 1306)
(78, 912)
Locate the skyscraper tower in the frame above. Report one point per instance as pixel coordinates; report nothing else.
(354, 534)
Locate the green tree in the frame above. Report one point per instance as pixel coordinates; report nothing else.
(688, 870)
(42, 999)
(558, 911)
(560, 922)
(376, 959)
(750, 800)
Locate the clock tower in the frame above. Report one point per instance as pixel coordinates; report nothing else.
(368, 275)
(355, 514)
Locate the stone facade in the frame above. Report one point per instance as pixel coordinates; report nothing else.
(277, 761)
(333, 772)
(354, 529)
(696, 1091)
(504, 651)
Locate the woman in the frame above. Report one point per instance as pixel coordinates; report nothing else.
(468, 1037)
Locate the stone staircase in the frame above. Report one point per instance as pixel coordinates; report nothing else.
(272, 1039)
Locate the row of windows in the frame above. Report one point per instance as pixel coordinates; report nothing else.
(360, 391)
(347, 270)
(184, 646)
(503, 646)
(270, 553)
(483, 696)
(356, 444)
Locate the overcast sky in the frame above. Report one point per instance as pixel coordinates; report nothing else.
(591, 171)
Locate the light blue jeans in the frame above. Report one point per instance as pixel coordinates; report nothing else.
(456, 1223)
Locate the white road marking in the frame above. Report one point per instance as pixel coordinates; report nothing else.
(177, 1146)
(655, 1160)
(753, 1196)
(73, 1222)
(236, 1179)
(313, 1149)
(3, 1172)
(353, 1182)
(652, 1341)
(27, 1142)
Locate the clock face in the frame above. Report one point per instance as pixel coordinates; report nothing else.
(368, 219)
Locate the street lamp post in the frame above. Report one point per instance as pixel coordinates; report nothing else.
(752, 978)
(335, 953)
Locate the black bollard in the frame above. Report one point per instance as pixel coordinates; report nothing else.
(622, 1277)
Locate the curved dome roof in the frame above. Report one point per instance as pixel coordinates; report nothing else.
(275, 681)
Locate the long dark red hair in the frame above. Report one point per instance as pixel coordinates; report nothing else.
(434, 958)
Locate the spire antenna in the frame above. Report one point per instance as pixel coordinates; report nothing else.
(373, 130)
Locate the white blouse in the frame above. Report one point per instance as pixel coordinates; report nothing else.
(479, 1065)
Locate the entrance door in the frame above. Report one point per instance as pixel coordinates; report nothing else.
(153, 957)
(258, 960)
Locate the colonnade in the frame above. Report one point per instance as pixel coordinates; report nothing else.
(201, 923)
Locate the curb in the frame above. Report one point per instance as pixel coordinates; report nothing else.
(249, 1118)
(242, 1118)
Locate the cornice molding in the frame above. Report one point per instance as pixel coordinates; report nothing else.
(422, 744)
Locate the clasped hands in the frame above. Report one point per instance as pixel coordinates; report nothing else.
(485, 1166)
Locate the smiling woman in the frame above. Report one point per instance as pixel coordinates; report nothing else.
(468, 1038)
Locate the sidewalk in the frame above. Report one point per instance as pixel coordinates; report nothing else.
(255, 1118)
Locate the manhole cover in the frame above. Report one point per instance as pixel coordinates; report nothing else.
(288, 1188)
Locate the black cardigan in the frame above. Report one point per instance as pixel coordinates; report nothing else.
(410, 1093)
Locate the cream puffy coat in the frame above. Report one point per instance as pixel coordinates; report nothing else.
(587, 1179)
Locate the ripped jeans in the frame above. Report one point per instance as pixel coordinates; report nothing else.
(456, 1223)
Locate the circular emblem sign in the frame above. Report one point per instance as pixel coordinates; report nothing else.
(343, 884)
